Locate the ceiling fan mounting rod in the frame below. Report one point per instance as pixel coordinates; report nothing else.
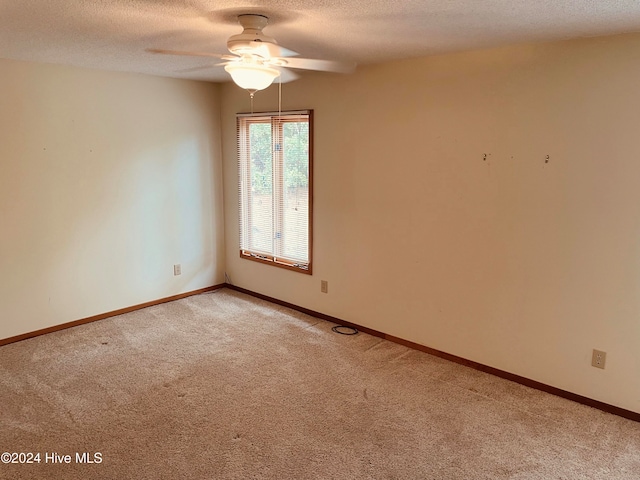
(253, 21)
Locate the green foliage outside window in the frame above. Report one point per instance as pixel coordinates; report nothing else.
(261, 164)
(296, 154)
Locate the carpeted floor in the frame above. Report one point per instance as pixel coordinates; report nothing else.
(225, 386)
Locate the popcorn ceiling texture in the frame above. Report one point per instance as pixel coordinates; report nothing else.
(114, 34)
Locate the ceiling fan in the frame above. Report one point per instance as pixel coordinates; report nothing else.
(256, 60)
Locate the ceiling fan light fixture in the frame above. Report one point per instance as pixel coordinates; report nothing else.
(252, 77)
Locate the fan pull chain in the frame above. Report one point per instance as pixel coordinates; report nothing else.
(280, 98)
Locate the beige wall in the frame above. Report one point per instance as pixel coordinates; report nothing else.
(512, 262)
(106, 181)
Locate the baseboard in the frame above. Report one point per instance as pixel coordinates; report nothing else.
(605, 407)
(416, 346)
(102, 316)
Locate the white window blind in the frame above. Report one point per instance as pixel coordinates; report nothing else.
(275, 188)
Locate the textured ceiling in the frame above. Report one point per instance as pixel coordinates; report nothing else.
(115, 34)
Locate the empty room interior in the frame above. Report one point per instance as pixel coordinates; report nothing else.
(468, 206)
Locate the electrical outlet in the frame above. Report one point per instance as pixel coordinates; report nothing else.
(177, 269)
(324, 286)
(598, 359)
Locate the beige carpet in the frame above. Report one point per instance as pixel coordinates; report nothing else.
(224, 386)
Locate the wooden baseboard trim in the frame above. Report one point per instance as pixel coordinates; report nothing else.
(605, 407)
(102, 316)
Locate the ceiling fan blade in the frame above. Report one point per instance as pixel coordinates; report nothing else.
(322, 65)
(286, 75)
(190, 54)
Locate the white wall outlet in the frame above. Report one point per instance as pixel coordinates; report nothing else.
(177, 269)
(598, 359)
(324, 286)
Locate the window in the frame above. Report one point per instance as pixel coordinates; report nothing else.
(275, 181)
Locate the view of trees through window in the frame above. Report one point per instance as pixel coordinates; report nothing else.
(278, 194)
(295, 150)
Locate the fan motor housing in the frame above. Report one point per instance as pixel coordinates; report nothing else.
(241, 43)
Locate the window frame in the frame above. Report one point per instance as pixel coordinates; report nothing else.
(244, 175)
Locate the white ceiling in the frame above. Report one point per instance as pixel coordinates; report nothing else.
(115, 34)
